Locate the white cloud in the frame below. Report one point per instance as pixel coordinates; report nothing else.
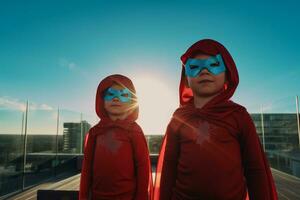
(71, 65)
(45, 107)
(268, 107)
(16, 104)
(68, 64)
(11, 103)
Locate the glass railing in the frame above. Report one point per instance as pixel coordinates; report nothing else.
(278, 128)
(11, 150)
(154, 143)
(39, 144)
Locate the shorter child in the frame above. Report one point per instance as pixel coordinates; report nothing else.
(116, 164)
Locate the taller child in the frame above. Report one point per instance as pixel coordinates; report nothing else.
(211, 149)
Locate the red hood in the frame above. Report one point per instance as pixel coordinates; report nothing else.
(210, 47)
(106, 83)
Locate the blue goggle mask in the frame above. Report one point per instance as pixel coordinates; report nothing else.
(213, 64)
(123, 95)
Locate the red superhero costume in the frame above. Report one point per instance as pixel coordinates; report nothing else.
(116, 164)
(212, 153)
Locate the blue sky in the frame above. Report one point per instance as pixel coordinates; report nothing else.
(54, 53)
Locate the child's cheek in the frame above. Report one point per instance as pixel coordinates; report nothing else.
(106, 106)
(126, 106)
(130, 106)
(193, 83)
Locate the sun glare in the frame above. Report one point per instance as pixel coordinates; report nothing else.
(157, 102)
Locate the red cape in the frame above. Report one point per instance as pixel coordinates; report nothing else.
(225, 160)
(116, 162)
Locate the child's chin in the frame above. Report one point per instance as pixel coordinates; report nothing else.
(116, 112)
(208, 93)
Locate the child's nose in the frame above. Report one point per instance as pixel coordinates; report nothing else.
(116, 99)
(204, 71)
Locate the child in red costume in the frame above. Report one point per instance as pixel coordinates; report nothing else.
(211, 150)
(116, 164)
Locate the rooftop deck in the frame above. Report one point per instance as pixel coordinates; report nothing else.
(288, 187)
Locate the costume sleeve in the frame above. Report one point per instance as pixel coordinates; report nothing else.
(166, 171)
(142, 166)
(85, 178)
(257, 172)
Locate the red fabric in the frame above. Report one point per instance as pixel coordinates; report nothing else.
(116, 164)
(213, 152)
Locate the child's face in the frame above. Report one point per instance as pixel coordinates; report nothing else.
(115, 106)
(206, 84)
